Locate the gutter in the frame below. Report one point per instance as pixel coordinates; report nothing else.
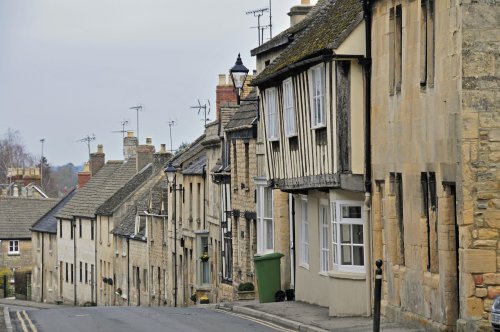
(367, 66)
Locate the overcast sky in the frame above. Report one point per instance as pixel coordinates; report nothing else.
(69, 68)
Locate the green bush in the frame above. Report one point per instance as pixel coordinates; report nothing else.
(7, 272)
(246, 287)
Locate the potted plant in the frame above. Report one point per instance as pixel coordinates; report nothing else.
(246, 291)
(204, 257)
(204, 300)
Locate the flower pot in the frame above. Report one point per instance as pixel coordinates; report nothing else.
(204, 301)
(204, 259)
(246, 295)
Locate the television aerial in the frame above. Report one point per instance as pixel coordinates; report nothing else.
(206, 110)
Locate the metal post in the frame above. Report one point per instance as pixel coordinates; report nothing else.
(174, 215)
(5, 285)
(377, 296)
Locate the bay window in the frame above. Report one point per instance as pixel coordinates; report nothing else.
(324, 237)
(347, 236)
(265, 223)
(304, 233)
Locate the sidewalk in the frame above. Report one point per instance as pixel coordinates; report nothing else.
(302, 316)
(30, 304)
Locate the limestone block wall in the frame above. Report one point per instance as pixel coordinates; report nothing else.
(480, 156)
(415, 131)
(159, 260)
(49, 268)
(22, 260)
(244, 229)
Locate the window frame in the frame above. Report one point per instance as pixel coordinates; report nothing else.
(304, 228)
(337, 220)
(263, 247)
(200, 278)
(289, 114)
(13, 244)
(318, 116)
(324, 243)
(272, 118)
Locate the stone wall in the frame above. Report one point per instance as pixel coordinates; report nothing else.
(244, 228)
(480, 157)
(415, 130)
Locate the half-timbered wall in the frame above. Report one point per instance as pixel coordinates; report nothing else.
(316, 156)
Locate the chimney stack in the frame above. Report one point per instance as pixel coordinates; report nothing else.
(84, 176)
(130, 143)
(145, 154)
(160, 159)
(299, 12)
(224, 94)
(97, 160)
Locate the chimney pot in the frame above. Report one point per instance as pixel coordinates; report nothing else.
(100, 148)
(163, 148)
(130, 133)
(222, 79)
(305, 2)
(149, 140)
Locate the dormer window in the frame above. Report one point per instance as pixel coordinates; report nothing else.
(289, 109)
(317, 92)
(140, 224)
(272, 114)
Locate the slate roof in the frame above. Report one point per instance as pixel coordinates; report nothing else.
(246, 116)
(111, 177)
(109, 206)
(48, 222)
(17, 214)
(288, 35)
(126, 226)
(196, 166)
(329, 25)
(188, 153)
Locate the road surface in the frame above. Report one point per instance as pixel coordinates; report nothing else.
(128, 319)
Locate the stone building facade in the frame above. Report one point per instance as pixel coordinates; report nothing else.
(434, 144)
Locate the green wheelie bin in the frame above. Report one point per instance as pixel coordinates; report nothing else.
(267, 269)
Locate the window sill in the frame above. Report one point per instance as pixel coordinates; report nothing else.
(204, 288)
(291, 135)
(347, 275)
(13, 254)
(323, 274)
(305, 266)
(320, 126)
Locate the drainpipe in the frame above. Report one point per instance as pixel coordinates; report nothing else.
(73, 225)
(94, 279)
(128, 271)
(367, 66)
(204, 176)
(42, 234)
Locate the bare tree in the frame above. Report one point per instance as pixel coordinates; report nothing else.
(13, 153)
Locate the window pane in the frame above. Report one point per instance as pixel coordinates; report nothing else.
(269, 234)
(345, 233)
(334, 228)
(204, 272)
(351, 211)
(268, 203)
(357, 234)
(346, 255)
(358, 256)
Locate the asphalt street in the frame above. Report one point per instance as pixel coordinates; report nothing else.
(143, 319)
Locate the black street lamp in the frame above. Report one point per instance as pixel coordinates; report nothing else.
(170, 172)
(238, 75)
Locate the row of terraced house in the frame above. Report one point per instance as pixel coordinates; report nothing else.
(370, 130)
